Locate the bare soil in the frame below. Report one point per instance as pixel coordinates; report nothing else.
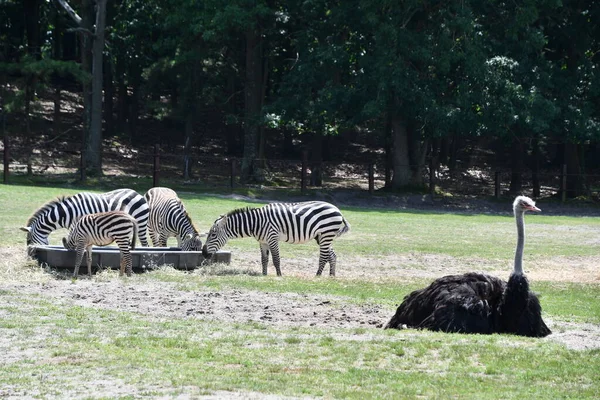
(168, 300)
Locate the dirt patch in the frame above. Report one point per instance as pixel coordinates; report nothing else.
(165, 300)
(168, 300)
(411, 266)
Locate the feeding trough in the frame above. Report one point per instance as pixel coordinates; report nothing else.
(144, 258)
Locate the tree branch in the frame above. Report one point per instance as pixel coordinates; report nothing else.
(70, 11)
(82, 30)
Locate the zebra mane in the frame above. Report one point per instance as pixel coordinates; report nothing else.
(187, 215)
(238, 211)
(49, 205)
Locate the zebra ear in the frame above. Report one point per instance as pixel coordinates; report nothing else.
(26, 228)
(188, 236)
(222, 220)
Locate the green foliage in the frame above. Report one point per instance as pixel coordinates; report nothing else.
(492, 69)
(44, 69)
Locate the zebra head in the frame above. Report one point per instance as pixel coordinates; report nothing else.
(216, 237)
(34, 236)
(191, 242)
(69, 243)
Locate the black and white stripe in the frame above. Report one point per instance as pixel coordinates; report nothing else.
(63, 211)
(287, 222)
(168, 217)
(102, 229)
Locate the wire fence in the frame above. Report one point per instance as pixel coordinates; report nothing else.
(162, 168)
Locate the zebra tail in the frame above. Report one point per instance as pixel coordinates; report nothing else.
(344, 228)
(135, 236)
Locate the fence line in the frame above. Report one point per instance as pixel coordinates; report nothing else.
(226, 169)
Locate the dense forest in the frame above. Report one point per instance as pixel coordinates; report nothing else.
(420, 79)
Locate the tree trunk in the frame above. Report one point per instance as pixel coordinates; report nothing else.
(134, 108)
(316, 159)
(401, 158)
(389, 152)
(418, 155)
(32, 33)
(122, 97)
(516, 170)
(86, 65)
(189, 132)
(535, 168)
(56, 121)
(453, 154)
(233, 129)
(56, 80)
(575, 181)
(108, 97)
(253, 92)
(32, 27)
(94, 148)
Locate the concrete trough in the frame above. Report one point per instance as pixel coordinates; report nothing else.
(144, 258)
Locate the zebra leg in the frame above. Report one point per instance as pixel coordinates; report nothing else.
(162, 242)
(127, 259)
(274, 247)
(324, 256)
(153, 237)
(79, 258)
(89, 260)
(142, 230)
(332, 261)
(264, 256)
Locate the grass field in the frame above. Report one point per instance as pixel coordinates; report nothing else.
(229, 332)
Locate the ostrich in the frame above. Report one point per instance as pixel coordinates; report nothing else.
(476, 302)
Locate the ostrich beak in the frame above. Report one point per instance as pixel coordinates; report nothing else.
(533, 208)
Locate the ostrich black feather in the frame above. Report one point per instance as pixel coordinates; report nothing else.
(477, 302)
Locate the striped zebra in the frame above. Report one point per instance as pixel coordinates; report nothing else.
(63, 211)
(102, 229)
(287, 222)
(168, 217)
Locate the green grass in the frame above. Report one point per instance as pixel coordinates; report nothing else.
(374, 232)
(575, 302)
(206, 355)
(60, 349)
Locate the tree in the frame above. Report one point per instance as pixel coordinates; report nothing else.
(573, 36)
(92, 143)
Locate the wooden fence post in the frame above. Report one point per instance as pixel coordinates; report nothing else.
(156, 174)
(82, 165)
(303, 173)
(431, 178)
(371, 178)
(497, 184)
(6, 157)
(232, 173)
(563, 183)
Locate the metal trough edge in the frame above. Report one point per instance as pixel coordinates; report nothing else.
(144, 258)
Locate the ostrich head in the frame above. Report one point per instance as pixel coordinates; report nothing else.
(524, 203)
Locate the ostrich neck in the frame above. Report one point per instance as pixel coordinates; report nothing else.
(520, 242)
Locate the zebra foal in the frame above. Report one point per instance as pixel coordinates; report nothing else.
(168, 217)
(102, 229)
(63, 211)
(287, 222)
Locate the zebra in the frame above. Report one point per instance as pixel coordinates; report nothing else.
(102, 229)
(63, 211)
(288, 222)
(168, 217)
